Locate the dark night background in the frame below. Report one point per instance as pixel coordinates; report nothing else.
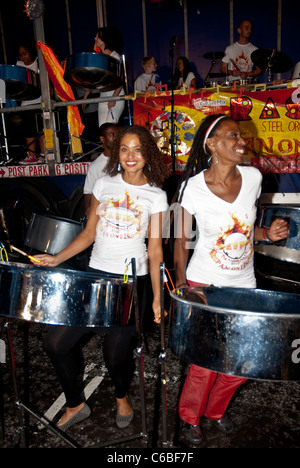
(208, 27)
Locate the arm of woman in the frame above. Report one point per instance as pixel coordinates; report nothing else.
(86, 95)
(278, 230)
(193, 83)
(155, 257)
(183, 229)
(116, 92)
(79, 244)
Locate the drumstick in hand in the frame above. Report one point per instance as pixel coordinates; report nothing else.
(24, 253)
(235, 65)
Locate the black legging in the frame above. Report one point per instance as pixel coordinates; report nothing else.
(63, 346)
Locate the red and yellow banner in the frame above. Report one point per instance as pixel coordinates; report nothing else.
(269, 120)
(65, 93)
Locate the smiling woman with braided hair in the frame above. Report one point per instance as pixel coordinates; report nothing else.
(222, 197)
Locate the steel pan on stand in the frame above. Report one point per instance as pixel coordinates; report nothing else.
(50, 234)
(22, 84)
(70, 298)
(287, 249)
(56, 296)
(248, 333)
(90, 70)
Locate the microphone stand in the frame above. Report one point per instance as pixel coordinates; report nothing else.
(171, 53)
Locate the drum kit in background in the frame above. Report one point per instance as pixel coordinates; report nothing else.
(271, 61)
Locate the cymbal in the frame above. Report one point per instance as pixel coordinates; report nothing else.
(213, 55)
(271, 59)
(216, 75)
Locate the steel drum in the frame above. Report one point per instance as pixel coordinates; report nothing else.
(250, 333)
(57, 296)
(51, 234)
(90, 70)
(287, 249)
(21, 83)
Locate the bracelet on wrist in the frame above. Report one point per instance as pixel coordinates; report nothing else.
(266, 236)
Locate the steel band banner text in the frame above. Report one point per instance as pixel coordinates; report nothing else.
(269, 121)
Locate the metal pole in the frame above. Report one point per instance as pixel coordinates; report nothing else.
(69, 27)
(144, 28)
(231, 33)
(186, 32)
(162, 358)
(3, 39)
(52, 144)
(279, 22)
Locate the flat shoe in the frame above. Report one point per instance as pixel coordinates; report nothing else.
(123, 421)
(83, 414)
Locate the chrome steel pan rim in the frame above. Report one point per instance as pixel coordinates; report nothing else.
(222, 310)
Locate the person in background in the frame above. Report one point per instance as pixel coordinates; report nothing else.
(183, 74)
(127, 206)
(107, 135)
(28, 59)
(149, 80)
(109, 41)
(237, 63)
(89, 117)
(221, 196)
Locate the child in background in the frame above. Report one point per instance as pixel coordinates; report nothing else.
(149, 80)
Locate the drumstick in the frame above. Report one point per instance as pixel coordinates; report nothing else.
(235, 65)
(24, 253)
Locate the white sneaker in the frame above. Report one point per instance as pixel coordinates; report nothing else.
(31, 159)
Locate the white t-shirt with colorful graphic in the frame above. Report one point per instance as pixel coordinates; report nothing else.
(223, 253)
(124, 213)
(147, 82)
(241, 55)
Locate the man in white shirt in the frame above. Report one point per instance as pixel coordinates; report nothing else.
(107, 134)
(237, 63)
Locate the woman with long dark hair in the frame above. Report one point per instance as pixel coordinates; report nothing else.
(221, 194)
(184, 75)
(127, 206)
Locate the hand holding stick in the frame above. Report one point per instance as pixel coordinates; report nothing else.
(24, 253)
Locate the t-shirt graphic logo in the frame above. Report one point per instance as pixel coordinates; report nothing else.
(233, 249)
(120, 219)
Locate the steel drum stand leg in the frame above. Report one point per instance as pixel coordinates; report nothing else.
(162, 360)
(20, 432)
(139, 354)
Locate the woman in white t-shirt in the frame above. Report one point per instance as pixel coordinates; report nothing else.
(109, 42)
(222, 197)
(127, 206)
(183, 74)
